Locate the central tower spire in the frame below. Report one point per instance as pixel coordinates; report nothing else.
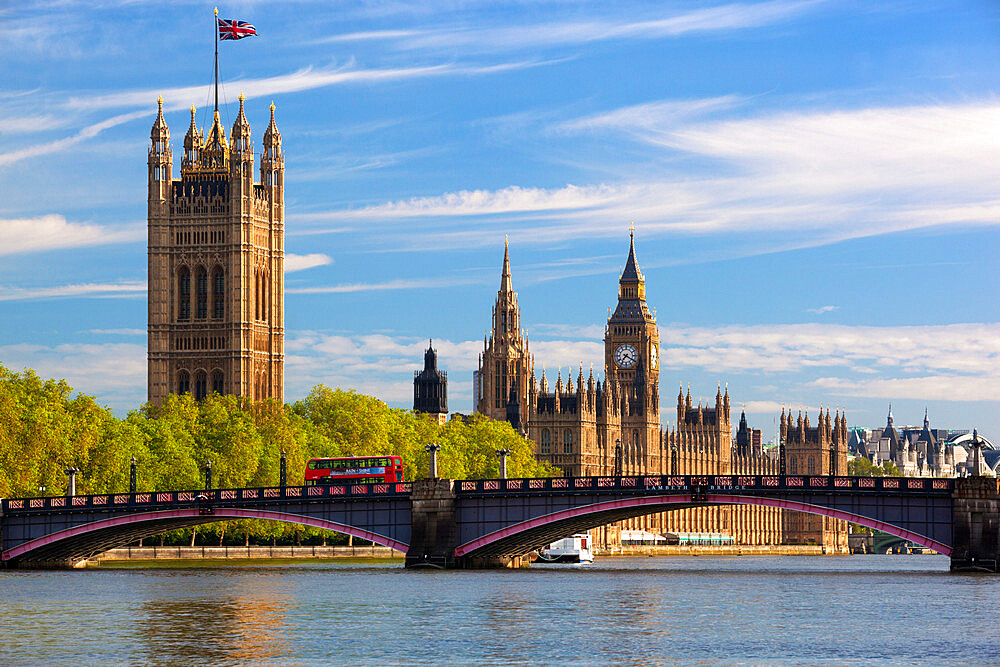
(506, 364)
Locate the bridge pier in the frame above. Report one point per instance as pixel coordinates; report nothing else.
(976, 525)
(433, 535)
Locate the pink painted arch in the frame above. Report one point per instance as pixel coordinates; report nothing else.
(219, 513)
(685, 499)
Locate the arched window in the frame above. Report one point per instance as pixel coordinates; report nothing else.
(793, 466)
(201, 311)
(567, 442)
(267, 295)
(218, 293)
(812, 465)
(546, 441)
(217, 384)
(256, 295)
(200, 385)
(183, 293)
(183, 382)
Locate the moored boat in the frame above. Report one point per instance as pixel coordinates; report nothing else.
(573, 549)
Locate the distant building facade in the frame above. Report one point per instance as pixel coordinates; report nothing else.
(917, 452)
(216, 263)
(430, 387)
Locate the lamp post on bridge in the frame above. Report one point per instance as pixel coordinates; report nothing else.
(208, 475)
(71, 489)
(977, 453)
(132, 476)
(618, 457)
(282, 470)
(503, 454)
(433, 449)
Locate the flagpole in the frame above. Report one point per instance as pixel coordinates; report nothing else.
(216, 22)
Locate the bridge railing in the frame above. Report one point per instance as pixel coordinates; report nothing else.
(717, 483)
(167, 499)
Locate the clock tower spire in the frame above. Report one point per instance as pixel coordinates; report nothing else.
(631, 350)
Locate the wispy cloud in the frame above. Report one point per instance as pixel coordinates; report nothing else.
(561, 33)
(118, 332)
(302, 262)
(399, 284)
(113, 372)
(307, 78)
(181, 97)
(54, 232)
(83, 290)
(821, 309)
(816, 176)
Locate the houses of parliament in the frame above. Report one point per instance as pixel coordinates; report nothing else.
(612, 426)
(216, 324)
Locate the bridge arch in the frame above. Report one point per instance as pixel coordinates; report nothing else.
(83, 541)
(524, 536)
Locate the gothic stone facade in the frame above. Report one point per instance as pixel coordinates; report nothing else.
(819, 450)
(594, 427)
(216, 263)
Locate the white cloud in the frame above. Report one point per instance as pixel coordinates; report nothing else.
(307, 78)
(928, 388)
(302, 262)
(182, 97)
(400, 284)
(815, 176)
(118, 332)
(114, 372)
(88, 290)
(822, 309)
(728, 17)
(54, 232)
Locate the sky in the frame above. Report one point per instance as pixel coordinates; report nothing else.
(814, 188)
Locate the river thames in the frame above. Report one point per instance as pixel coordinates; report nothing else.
(702, 610)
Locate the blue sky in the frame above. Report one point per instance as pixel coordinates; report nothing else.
(813, 184)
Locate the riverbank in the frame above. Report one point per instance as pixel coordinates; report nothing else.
(719, 550)
(128, 554)
(266, 553)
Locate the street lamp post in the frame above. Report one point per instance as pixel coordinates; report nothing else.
(71, 490)
(618, 457)
(132, 476)
(977, 446)
(433, 449)
(208, 475)
(283, 470)
(503, 454)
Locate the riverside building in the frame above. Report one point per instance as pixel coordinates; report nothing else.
(612, 426)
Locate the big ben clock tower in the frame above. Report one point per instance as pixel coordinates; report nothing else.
(631, 358)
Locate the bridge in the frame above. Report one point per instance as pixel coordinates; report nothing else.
(487, 523)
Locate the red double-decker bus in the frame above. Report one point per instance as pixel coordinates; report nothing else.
(355, 470)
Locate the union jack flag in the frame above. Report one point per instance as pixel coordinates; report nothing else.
(233, 29)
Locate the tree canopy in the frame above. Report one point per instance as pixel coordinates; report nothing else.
(45, 428)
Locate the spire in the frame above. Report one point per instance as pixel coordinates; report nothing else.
(430, 357)
(241, 129)
(631, 272)
(927, 422)
(272, 137)
(505, 283)
(160, 131)
(888, 423)
(216, 135)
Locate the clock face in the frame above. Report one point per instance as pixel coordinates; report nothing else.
(653, 356)
(626, 355)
